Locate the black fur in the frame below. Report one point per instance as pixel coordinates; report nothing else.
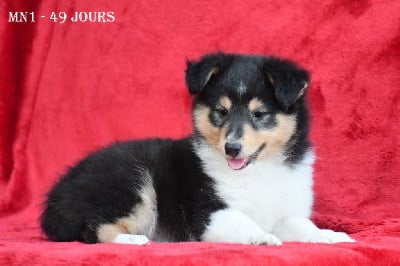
(288, 80)
(197, 72)
(105, 186)
(98, 191)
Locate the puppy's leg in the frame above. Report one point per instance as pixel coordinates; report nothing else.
(299, 229)
(136, 227)
(232, 226)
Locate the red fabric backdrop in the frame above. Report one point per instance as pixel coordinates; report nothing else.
(67, 89)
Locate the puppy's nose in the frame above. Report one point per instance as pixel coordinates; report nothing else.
(232, 148)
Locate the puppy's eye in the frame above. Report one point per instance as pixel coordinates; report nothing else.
(222, 112)
(259, 114)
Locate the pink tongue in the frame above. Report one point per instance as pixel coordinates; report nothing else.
(236, 164)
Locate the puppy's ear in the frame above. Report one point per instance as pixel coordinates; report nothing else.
(199, 73)
(289, 81)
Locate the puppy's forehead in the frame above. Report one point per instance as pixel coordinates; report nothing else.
(243, 76)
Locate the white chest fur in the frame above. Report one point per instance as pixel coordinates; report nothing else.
(266, 191)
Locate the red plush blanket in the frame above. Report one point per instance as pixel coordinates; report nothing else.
(67, 88)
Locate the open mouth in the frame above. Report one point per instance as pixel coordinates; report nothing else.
(240, 163)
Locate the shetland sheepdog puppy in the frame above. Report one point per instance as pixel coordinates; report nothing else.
(243, 176)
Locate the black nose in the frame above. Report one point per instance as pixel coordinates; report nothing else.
(232, 148)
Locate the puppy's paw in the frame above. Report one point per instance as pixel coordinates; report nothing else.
(131, 239)
(328, 236)
(231, 226)
(300, 229)
(265, 239)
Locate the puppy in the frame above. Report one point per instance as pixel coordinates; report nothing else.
(243, 176)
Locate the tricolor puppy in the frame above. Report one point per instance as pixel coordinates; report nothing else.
(243, 176)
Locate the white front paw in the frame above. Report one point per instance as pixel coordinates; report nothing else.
(327, 236)
(231, 226)
(300, 229)
(265, 239)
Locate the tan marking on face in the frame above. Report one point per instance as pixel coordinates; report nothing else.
(255, 104)
(203, 124)
(275, 138)
(142, 219)
(214, 136)
(225, 102)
